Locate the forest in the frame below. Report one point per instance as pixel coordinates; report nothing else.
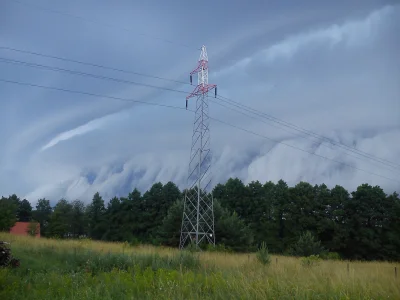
(359, 225)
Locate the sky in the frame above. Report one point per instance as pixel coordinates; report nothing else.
(331, 67)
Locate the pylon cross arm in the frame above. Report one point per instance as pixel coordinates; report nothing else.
(201, 89)
(203, 64)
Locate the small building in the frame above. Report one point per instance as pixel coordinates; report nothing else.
(22, 228)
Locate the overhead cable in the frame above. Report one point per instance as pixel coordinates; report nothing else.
(183, 109)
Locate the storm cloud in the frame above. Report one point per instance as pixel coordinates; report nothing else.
(332, 68)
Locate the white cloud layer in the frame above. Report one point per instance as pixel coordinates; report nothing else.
(338, 79)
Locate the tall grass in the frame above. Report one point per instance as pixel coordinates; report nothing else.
(58, 269)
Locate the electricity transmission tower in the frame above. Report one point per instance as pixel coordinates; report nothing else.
(198, 211)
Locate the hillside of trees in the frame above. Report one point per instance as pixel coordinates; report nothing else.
(364, 224)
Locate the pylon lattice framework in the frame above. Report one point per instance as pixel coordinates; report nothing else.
(198, 211)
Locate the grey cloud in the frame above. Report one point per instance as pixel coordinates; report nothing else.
(337, 82)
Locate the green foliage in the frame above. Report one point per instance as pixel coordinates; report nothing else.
(310, 261)
(155, 205)
(83, 260)
(33, 228)
(363, 224)
(59, 272)
(233, 195)
(60, 220)
(263, 255)
(96, 217)
(169, 230)
(279, 214)
(306, 246)
(372, 219)
(42, 214)
(24, 211)
(8, 211)
(187, 260)
(230, 229)
(78, 219)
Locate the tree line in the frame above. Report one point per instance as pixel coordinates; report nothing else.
(364, 224)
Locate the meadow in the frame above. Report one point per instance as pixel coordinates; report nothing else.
(85, 269)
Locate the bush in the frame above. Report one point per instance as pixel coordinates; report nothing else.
(306, 246)
(263, 254)
(33, 228)
(312, 260)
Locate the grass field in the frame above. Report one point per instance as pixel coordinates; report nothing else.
(59, 269)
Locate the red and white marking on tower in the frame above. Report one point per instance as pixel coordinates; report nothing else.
(203, 86)
(198, 211)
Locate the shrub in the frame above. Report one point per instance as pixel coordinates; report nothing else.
(306, 246)
(33, 228)
(309, 261)
(263, 254)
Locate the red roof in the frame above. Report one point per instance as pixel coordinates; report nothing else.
(21, 228)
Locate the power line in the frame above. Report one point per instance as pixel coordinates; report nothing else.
(295, 127)
(91, 94)
(56, 69)
(224, 99)
(297, 148)
(90, 64)
(183, 109)
(307, 132)
(38, 7)
(310, 133)
(243, 113)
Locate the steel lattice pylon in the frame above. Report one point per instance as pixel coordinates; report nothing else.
(198, 211)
